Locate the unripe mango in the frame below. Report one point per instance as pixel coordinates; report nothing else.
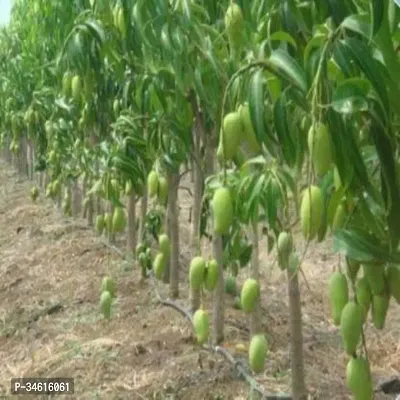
(249, 295)
(319, 145)
(196, 272)
(211, 275)
(234, 23)
(118, 220)
(105, 304)
(152, 183)
(162, 190)
(222, 206)
(338, 295)
(379, 309)
(311, 212)
(231, 135)
(230, 286)
(164, 244)
(201, 326)
(250, 137)
(393, 280)
(358, 379)
(159, 265)
(76, 87)
(108, 221)
(363, 295)
(100, 224)
(340, 218)
(108, 285)
(336, 179)
(352, 268)
(351, 326)
(257, 352)
(375, 275)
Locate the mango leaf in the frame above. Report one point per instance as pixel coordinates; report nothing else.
(317, 41)
(338, 10)
(257, 109)
(358, 23)
(292, 70)
(362, 247)
(378, 15)
(390, 187)
(342, 58)
(283, 132)
(283, 37)
(351, 96)
(362, 55)
(270, 203)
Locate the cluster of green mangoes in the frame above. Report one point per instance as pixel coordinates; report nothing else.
(108, 293)
(143, 253)
(114, 223)
(237, 131)
(205, 274)
(53, 189)
(161, 258)
(372, 292)
(157, 187)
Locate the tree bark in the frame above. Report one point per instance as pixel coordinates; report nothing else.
(299, 391)
(143, 213)
(219, 298)
(255, 317)
(173, 223)
(131, 237)
(198, 179)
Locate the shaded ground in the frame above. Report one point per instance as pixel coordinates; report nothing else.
(50, 274)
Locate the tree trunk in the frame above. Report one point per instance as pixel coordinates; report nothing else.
(131, 237)
(89, 215)
(198, 178)
(167, 269)
(219, 294)
(143, 213)
(299, 391)
(75, 199)
(85, 203)
(255, 317)
(111, 234)
(173, 223)
(31, 161)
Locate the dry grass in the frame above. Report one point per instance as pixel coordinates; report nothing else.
(50, 273)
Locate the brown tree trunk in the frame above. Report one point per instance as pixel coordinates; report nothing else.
(299, 391)
(219, 298)
(198, 179)
(173, 223)
(143, 213)
(131, 237)
(255, 317)
(76, 203)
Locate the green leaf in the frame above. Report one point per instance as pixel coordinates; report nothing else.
(358, 23)
(362, 247)
(316, 42)
(362, 55)
(351, 96)
(378, 14)
(283, 131)
(284, 62)
(390, 188)
(256, 106)
(283, 37)
(271, 202)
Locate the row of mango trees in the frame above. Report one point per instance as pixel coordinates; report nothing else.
(284, 112)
